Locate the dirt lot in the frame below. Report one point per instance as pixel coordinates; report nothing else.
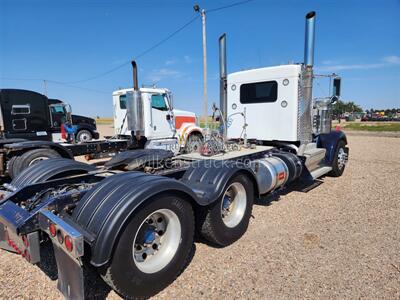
(339, 240)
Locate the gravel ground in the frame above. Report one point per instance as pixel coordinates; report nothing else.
(339, 240)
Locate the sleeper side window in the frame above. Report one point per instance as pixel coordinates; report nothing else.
(21, 109)
(259, 92)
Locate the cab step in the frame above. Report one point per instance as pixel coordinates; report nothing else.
(320, 171)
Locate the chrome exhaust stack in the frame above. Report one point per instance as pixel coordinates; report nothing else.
(305, 130)
(135, 107)
(309, 39)
(223, 99)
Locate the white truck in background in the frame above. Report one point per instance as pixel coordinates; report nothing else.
(164, 126)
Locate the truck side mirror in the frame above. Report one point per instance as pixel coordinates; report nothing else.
(336, 87)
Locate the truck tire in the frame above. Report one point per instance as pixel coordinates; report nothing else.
(227, 219)
(10, 166)
(339, 160)
(84, 135)
(30, 158)
(153, 249)
(194, 143)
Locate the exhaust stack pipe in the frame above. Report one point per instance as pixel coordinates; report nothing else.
(135, 77)
(305, 132)
(223, 99)
(310, 39)
(135, 107)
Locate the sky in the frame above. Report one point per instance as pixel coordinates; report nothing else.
(68, 42)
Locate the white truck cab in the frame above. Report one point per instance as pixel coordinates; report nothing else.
(269, 95)
(163, 125)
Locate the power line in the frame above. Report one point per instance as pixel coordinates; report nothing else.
(101, 74)
(143, 53)
(54, 82)
(228, 6)
(77, 87)
(168, 37)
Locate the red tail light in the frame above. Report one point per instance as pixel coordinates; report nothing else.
(68, 243)
(52, 229)
(25, 241)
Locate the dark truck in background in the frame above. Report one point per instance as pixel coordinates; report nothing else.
(86, 127)
(30, 131)
(30, 115)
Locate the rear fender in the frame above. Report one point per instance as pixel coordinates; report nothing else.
(50, 169)
(329, 141)
(186, 130)
(106, 209)
(208, 178)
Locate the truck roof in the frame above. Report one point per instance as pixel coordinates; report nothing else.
(143, 90)
(282, 71)
(20, 91)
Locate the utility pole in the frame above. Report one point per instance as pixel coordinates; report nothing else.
(203, 21)
(45, 86)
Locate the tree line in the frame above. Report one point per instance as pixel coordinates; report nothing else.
(341, 107)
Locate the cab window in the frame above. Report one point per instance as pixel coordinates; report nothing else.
(158, 102)
(57, 109)
(259, 92)
(21, 109)
(122, 102)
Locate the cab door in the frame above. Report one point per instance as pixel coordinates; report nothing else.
(161, 119)
(57, 116)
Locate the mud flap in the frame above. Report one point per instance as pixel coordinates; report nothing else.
(3, 240)
(70, 274)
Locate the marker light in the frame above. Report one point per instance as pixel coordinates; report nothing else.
(60, 236)
(52, 229)
(25, 241)
(68, 243)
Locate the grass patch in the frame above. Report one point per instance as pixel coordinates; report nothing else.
(104, 121)
(376, 127)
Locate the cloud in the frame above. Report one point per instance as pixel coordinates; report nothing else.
(386, 61)
(393, 59)
(170, 62)
(188, 59)
(334, 68)
(160, 74)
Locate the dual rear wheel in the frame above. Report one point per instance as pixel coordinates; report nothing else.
(20, 162)
(155, 245)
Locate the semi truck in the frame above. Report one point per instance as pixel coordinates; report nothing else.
(31, 128)
(32, 116)
(86, 128)
(164, 127)
(133, 220)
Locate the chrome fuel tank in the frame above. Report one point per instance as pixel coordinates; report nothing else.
(271, 173)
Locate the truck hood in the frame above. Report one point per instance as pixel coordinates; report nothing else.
(183, 113)
(77, 119)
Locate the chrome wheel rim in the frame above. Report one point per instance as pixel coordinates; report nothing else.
(157, 241)
(36, 160)
(342, 158)
(84, 136)
(233, 204)
(194, 145)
